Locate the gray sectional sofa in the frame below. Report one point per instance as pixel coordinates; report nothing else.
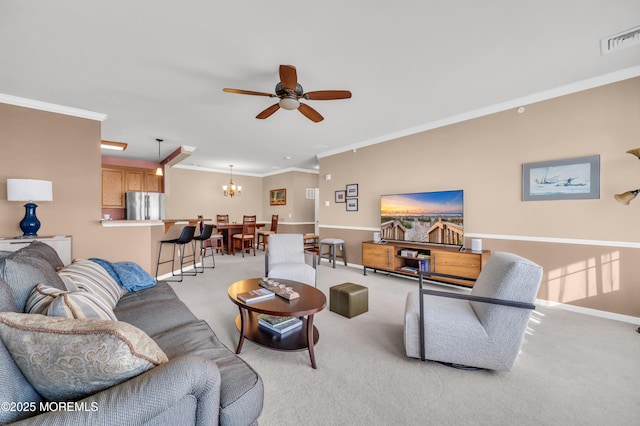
(199, 382)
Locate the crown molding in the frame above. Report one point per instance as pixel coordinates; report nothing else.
(557, 92)
(277, 172)
(45, 106)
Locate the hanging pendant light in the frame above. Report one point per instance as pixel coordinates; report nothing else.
(231, 189)
(159, 171)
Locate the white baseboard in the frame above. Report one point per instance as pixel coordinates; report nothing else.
(589, 311)
(579, 309)
(168, 275)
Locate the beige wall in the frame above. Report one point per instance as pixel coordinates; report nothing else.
(65, 150)
(298, 209)
(587, 247)
(484, 157)
(193, 192)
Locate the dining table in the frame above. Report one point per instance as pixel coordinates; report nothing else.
(229, 229)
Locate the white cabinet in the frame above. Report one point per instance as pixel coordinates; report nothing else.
(62, 245)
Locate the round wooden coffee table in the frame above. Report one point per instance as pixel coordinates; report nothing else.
(310, 302)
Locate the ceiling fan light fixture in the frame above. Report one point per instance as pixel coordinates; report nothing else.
(626, 197)
(289, 103)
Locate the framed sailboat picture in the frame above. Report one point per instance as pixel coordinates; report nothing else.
(571, 179)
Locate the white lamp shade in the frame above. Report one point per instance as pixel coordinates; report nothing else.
(289, 103)
(29, 190)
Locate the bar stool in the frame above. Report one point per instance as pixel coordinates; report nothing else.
(333, 244)
(205, 236)
(186, 237)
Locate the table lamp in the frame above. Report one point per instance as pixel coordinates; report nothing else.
(29, 190)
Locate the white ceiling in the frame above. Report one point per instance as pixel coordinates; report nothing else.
(157, 68)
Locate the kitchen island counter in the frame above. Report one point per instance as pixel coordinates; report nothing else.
(167, 223)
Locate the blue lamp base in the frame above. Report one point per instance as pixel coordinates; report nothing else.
(30, 224)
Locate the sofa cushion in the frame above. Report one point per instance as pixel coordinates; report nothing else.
(66, 359)
(241, 388)
(90, 276)
(7, 302)
(15, 388)
(144, 308)
(23, 272)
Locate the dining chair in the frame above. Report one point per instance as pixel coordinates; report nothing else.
(263, 234)
(222, 218)
(246, 239)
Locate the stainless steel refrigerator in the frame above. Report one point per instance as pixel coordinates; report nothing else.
(145, 205)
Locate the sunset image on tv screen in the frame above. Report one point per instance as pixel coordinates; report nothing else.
(428, 217)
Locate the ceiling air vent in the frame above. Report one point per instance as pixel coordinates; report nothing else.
(620, 41)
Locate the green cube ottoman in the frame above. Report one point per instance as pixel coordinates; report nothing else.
(349, 299)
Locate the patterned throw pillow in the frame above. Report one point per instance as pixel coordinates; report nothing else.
(67, 359)
(40, 298)
(80, 304)
(90, 276)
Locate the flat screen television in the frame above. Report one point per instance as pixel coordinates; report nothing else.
(423, 217)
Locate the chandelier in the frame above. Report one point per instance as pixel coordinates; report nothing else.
(231, 189)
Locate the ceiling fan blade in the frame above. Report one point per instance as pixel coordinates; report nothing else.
(247, 92)
(327, 95)
(267, 112)
(288, 77)
(310, 113)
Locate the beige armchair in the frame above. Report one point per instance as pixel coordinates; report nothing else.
(286, 258)
(483, 329)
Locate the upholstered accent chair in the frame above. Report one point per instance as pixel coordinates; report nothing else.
(483, 329)
(286, 259)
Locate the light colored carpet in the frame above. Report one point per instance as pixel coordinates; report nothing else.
(573, 369)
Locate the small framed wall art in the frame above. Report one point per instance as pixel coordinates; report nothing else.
(352, 190)
(278, 197)
(340, 196)
(352, 204)
(571, 179)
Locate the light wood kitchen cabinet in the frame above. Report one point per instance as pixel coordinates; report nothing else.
(152, 182)
(112, 188)
(135, 180)
(117, 180)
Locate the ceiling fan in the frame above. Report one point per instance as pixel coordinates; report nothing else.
(290, 93)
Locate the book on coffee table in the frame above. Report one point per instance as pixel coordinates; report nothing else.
(256, 295)
(274, 319)
(283, 327)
